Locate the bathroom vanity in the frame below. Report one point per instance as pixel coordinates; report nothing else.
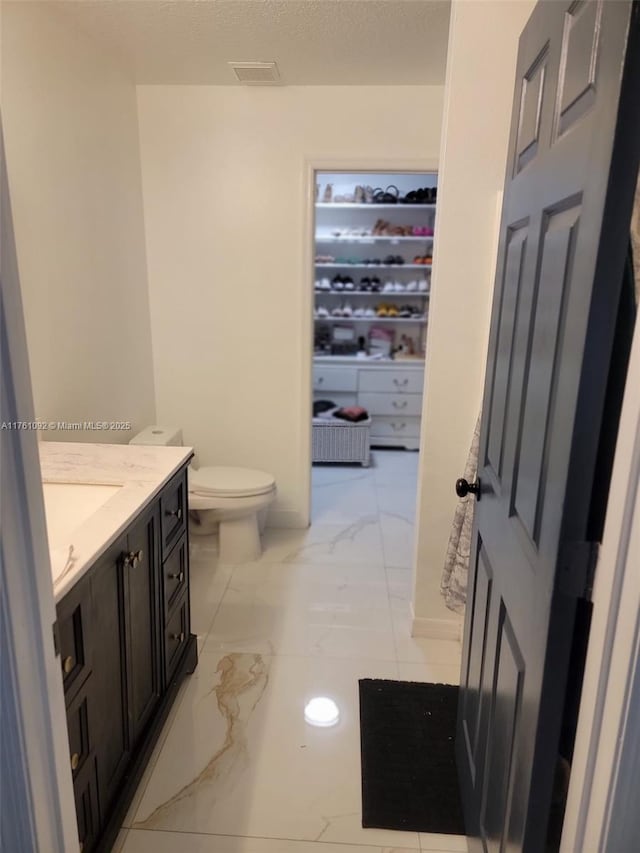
(121, 584)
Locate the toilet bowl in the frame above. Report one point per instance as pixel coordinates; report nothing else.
(233, 500)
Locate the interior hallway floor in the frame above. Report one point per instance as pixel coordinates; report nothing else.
(237, 769)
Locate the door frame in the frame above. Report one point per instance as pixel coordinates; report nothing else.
(604, 720)
(40, 800)
(311, 166)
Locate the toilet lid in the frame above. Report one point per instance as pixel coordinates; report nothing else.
(232, 482)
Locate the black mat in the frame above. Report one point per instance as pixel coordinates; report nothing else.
(409, 778)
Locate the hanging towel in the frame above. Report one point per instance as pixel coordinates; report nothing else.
(456, 566)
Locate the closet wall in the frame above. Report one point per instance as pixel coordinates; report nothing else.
(224, 183)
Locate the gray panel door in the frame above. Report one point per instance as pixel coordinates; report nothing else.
(564, 235)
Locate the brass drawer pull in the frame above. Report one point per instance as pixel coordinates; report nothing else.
(174, 513)
(178, 577)
(179, 637)
(401, 382)
(399, 404)
(133, 558)
(398, 426)
(68, 664)
(75, 760)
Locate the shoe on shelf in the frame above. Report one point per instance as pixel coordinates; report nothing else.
(337, 311)
(376, 284)
(337, 283)
(327, 196)
(369, 312)
(405, 311)
(388, 287)
(392, 311)
(348, 283)
(347, 310)
(358, 195)
(412, 286)
(359, 312)
(325, 284)
(322, 312)
(365, 284)
(368, 195)
(382, 310)
(399, 287)
(423, 286)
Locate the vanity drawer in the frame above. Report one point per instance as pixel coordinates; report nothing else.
(78, 730)
(334, 379)
(391, 381)
(175, 637)
(395, 427)
(391, 404)
(174, 571)
(173, 511)
(72, 618)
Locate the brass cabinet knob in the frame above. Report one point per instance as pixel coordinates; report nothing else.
(75, 760)
(179, 637)
(174, 513)
(68, 664)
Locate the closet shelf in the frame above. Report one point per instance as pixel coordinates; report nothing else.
(347, 265)
(337, 205)
(377, 238)
(417, 321)
(379, 294)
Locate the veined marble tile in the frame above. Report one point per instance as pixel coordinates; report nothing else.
(398, 499)
(415, 649)
(431, 673)
(352, 542)
(241, 760)
(343, 502)
(305, 609)
(433, 842)
(339, 475)
(390, 466)
(148, 841)
(208, 582)
(398, 536)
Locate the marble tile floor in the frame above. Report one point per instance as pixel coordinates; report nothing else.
(237, 769)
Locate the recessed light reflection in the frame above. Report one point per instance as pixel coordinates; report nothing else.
(321, 711)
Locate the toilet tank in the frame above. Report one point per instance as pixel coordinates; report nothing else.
(161, 436)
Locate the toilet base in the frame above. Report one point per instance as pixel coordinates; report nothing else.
(240, 539)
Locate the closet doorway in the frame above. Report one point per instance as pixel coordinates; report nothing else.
(373, 241)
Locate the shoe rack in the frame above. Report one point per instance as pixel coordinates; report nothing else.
(373, 251)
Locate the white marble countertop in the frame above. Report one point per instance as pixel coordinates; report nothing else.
(369, 362)
(139, 471)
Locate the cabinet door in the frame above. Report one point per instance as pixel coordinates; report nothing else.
(109, 724)
(142, 591)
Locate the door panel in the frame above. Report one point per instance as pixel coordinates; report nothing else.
(560, 264)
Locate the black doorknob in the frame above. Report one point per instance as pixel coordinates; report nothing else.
(463, 487)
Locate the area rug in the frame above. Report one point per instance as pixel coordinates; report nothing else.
(407, 736)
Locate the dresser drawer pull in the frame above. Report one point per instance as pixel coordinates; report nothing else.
(174, 513)
(68, 664)
(75, 760)
(401, 382)
(398, 427)
(399, 404)
(179, 637)
(176, 577)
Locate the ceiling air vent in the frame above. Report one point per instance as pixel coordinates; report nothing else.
(256, 73)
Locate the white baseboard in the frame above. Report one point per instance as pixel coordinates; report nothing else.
(287, 518)
(436, 629)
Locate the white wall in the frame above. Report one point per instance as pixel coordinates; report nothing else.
(478, 100)
(224, 179)
(70, 123)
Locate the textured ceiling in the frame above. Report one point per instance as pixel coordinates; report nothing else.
(314, 42)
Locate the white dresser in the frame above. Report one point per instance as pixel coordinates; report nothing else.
(391, 391)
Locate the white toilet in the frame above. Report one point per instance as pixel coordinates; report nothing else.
(233, 499)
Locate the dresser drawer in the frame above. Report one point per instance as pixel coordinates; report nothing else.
(395, 427)
(175, 637)
(174, 571)
(391, 404)
(334, 379)
(173, 511)
(391, 381)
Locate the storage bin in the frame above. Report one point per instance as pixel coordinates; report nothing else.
(340, 441)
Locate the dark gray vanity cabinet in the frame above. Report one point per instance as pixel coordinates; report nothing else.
(125, 645)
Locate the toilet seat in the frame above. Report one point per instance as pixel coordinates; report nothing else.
(230, 482)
